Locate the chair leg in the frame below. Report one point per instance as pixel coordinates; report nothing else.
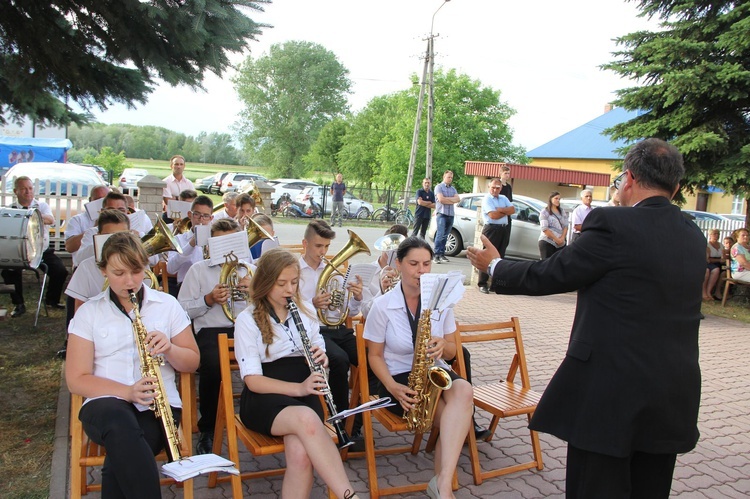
(726, 292)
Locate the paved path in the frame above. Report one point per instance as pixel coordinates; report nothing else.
(718, 468)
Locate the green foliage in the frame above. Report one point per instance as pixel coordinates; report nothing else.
(323, 152)
(95, 53)
(470, 124)
(695, 86)
(289, 95)
(109, 160)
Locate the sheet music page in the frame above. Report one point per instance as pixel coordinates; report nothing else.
(441, 291)
(366, 271)
(178, 209)
(367, 406)
(136, 223)
(99, 240)
(192, 466)
(219, 247)
(93, 208)
(202, 233)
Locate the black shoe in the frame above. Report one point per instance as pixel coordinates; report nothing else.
(57, 306)
(481, 433)
(205, 443)
(484, 289)
(18, 310)
(359, 442)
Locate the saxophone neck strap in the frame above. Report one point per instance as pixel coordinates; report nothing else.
(413, 320)
(116, 300)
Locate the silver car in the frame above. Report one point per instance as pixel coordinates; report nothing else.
(356, 208)
(129, 180)
(524, 235)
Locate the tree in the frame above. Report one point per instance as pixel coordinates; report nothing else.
(323, 152)
(695, 76)
(290, 94)
(97, 52)
(108, 160)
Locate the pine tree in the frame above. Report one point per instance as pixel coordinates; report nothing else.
(694, 84)
(98, 52)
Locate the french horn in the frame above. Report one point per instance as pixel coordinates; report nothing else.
(336, 312)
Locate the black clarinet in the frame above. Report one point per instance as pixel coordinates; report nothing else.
(344, 440)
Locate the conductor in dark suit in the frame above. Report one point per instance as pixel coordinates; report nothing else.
(626, 396)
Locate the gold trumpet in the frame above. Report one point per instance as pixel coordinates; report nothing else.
(390, 242)
(326, 282)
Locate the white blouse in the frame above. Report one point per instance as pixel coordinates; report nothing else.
(251, 351)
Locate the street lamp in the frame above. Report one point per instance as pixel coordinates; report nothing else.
(427, 75)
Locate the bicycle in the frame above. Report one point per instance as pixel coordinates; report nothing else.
(404, 217)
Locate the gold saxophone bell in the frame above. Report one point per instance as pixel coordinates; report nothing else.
(390, 242)
(230, 277)
(339, 294)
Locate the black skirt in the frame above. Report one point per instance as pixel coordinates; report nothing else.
(403, 378)
(259, 410)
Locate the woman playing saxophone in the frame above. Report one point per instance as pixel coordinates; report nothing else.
(104, 367)
(391, 329)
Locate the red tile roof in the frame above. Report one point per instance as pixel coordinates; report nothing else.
(538, 173)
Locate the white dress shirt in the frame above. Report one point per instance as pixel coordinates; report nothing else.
(180, 263)
(388, 323)
(251, 351)
(115, 354)
(87, 281)
(308, 286)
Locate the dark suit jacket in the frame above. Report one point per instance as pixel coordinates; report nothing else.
(630, 380)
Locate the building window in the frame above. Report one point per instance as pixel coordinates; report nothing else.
(737, 203)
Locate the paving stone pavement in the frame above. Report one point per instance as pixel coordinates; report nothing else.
(719, 467)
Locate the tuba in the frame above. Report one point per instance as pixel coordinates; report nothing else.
(326, 282)
(230, 277)
(390, 242)
(426, 379)
(256, 233)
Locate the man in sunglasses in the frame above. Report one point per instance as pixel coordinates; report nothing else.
(626, 396)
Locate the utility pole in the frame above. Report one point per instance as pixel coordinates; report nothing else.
(429, 67)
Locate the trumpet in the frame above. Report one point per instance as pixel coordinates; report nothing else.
(390, 243)
(326, 282)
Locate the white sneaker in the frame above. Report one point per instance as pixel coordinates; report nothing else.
(437, 260)
(443, 259)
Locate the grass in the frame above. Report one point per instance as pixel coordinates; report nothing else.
(29, 385)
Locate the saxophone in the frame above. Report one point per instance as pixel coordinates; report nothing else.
(151, 368)
(426, 379)
(344, 440)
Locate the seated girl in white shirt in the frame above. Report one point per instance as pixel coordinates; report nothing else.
(281, 396)
(104, 367)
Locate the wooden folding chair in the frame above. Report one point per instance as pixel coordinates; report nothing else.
(391, 422)
(85, 454)
(160, 271)
(503, 398)
(728, 282)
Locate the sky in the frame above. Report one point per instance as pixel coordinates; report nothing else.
(542, 55)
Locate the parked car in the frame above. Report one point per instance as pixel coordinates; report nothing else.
(104, 174)
(129, 179)
(699, 216)
(247, 184)
(70, 180)
(218, 180)
(232, 181)
(737, 217)
(570, 204)
(524, 235)
(291, 186)
(204, 184)
(355, 207)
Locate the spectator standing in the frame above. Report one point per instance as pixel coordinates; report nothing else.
(176, 182)
(425, 199)
(580, 213)
(338, 190)
(496, 211)
(445, 197)
(554, 224)
(23, 188)
(626, 396)
(507, 189)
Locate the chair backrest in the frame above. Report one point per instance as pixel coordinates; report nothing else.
(160, 271)
(496, 331)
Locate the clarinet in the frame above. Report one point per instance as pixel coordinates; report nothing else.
(344, 440)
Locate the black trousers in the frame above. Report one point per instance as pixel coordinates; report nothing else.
(56, 275)
(341, 349)
(132, 439)
(546, 249)
(209, 381)
(590, 475)
(499, 236)
(420, 227)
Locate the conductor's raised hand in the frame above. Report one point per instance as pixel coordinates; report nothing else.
(481, 258)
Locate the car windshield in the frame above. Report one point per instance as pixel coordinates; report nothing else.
(58, 181)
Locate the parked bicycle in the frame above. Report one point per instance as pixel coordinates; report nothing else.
(390, 214)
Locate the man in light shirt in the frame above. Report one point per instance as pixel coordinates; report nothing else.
(579, 214)
(176, 182)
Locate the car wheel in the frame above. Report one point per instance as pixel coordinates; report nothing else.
(363, 214)
(453, 245)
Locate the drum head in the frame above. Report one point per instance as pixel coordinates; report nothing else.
(21, 238)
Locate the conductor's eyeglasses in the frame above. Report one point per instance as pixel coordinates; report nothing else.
(618, 180)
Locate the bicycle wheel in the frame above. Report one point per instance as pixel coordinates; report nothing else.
(363, 214)
(380, 215)
(403, 217)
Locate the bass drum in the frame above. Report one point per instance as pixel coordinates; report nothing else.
(21, 238)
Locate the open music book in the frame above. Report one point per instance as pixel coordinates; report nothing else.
(192, 466)
(367, 406)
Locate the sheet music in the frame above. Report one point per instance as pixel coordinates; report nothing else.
(99, 240)
(220, 246)
(202, 233)
(93, 208)
(137, 222)
(178, 208)
(367, 406)
(192, 466)
(366, 271)
(441, 291)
